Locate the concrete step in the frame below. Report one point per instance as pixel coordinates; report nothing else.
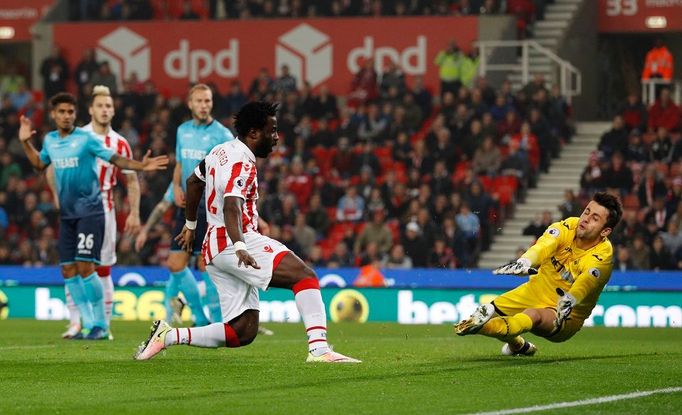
(569, 1)
(547, 42)
(562, 7)
(513, 239)
(554, 24)
(558, 16)
(593, 128)
(549, 32)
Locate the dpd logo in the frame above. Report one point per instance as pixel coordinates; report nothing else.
(127, 53)
(307, 52)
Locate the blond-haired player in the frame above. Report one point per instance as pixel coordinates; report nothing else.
(574, 259)
(101, 111)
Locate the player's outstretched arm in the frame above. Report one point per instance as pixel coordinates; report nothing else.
(26, 131)
(521, 266)
(147, 164)
(132, 225)
(195, 189)
(154, 217)
(178, 193)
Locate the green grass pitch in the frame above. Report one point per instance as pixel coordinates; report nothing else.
(406, 370)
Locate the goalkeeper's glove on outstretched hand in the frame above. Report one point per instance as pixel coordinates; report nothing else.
(564, 307)
(519, 267)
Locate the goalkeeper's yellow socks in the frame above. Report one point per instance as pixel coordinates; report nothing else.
(508, 327)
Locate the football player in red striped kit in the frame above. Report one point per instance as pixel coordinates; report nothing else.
(239, 259)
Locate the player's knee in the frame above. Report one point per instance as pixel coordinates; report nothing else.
(534, 315)
(175, 263)
(69, 271)
(85, 268)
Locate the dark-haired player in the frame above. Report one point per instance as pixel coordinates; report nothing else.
(73, 152)
(239, 259)
(574, 259)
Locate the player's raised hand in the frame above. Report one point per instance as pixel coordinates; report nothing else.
(140, 240)
(154, 163)
(26, 130)
(186, 239)
(246, 259)
(564, 307)
(519, 267)
(179, 196)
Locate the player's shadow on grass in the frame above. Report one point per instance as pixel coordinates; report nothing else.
(541, 360)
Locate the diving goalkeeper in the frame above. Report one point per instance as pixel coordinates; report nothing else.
(574, 262)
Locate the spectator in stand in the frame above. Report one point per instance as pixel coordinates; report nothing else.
(10, 79)
(422, 96)
(636, 151)
(105, 77)
(376, 232)
(364, 86)
(487, 158)
(571, 206)
(615, 139)
(351, 206)
(659, 258)
(664, 113)
(285, 83)
(634, 113)
(623, 260)
(441, 256)
(449, 62)
(657, 215)
(592, 179)
(528, 144)
(341, 257)
(235, 98)
(374, 126)
(392, 77)
(651, 187)
(415, 245)
(86, 69)
(658, 63)
(55, 73)
(618, 176)
(516, 164)
(661, 149)
(532, 87)
(470, 225)
(539, 224)
(262, 84)
(640, 254)
(397, 259)
(672, 237)
(326, 106)
(298, 182)
(304, 234)
(188, 12)
(508, 127)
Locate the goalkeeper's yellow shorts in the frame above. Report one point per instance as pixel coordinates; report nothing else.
(527, 296)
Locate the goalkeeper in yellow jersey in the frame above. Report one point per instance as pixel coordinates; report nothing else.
(569, 266)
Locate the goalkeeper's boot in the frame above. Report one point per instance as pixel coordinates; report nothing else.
(98, 333)
(331, 357)
(155, 343)
(177, 305)
(71, 331)
(265, 331)
(473, 324)
(528, 349)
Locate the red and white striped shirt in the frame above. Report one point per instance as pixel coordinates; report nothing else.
(107, 171)
(230, 171)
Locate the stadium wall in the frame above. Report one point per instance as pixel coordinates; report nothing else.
(633, 299)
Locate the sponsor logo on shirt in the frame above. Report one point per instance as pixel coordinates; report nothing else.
(553, 232)
(594, 272)
(66, 163)
(193, 154)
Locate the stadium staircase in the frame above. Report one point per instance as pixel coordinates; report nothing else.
(564, 174)
(548, 33)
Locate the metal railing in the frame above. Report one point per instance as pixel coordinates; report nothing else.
(649, 90)
(568, 76)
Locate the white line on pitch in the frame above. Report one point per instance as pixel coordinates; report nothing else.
(37, 346)
(593, 401)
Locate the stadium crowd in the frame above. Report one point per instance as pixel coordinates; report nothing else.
(640, 159)
(388, 174)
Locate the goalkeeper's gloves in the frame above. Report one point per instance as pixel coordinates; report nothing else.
(519, 267)
(564, 307)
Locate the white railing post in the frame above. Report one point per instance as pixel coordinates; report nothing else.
(484, 59)
(524, 64)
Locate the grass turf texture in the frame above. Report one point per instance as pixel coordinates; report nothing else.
(406, 369)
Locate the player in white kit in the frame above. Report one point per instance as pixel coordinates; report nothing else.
(229, 176)
(102, 112)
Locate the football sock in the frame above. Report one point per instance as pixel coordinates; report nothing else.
(516, 343)
(95, 295)
(507, 327)
(188, 286)
(77, 291)
(214, 335)
(212, 300)
(108, 285)
(74, 313)
(172, 290)
(310, 305)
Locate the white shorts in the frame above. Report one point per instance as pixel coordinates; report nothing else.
(238, 286)
(108, 254)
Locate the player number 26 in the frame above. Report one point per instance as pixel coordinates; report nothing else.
(86, 241)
